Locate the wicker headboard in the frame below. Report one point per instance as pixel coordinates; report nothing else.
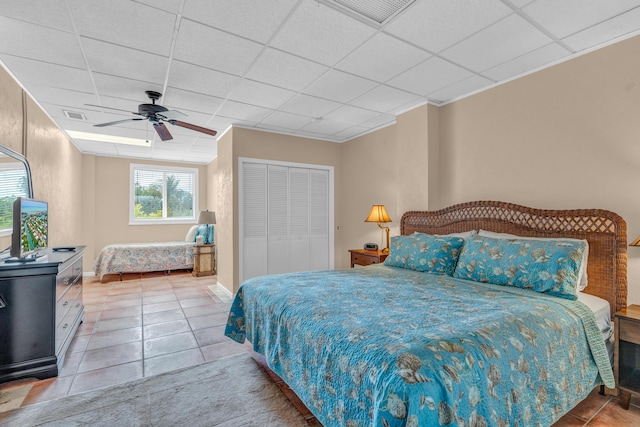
(605, 231)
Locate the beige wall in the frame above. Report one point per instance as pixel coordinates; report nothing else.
(56, 163)
(227, 260)
(111, 201)
(565, 137)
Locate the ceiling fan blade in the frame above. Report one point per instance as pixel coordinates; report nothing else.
(193, 127)
(108, 108)
(117, 122)
(162, 131)
(172, 114)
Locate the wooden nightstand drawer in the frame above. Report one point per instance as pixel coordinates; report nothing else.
(629, 331)
(363, 257)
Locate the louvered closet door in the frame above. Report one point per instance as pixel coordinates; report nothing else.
(278, 234)
(254, 222)
(318, 219)
(299, 251)
(292, 204)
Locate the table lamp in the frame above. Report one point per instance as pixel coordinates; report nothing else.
(379, 214)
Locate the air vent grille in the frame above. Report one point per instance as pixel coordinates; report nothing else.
(377, 10)
(75, 116)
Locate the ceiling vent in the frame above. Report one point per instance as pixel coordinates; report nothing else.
(73, 115)
(376, 10)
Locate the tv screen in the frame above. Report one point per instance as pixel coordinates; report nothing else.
(30, 227)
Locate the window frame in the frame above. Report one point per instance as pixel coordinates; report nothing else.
(133, 167)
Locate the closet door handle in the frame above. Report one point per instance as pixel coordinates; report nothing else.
(3, 303)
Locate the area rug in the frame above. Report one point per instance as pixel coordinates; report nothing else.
(233, 391)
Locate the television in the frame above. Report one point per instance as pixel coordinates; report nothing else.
(30, 228)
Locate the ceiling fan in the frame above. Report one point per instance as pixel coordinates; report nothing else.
(157, 115)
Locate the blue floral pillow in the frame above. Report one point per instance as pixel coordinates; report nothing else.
(540, 265)
(424, 252)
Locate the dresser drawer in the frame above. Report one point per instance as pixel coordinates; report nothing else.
(66, 326)
(65, 302)
(68, 276)
(629, 331)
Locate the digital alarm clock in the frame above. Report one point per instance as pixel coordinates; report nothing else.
(370, 247)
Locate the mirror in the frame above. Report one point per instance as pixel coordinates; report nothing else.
(15, 181)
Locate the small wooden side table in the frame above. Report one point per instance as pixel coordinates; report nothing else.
(627, 353)
(364, 257)
(204, 260)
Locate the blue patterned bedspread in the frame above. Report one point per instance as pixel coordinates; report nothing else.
(386, 346)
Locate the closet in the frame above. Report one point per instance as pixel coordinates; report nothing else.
(286, 217)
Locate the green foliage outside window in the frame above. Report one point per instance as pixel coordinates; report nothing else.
(150, 188)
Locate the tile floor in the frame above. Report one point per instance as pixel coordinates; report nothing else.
(145, 325)
(153, 323)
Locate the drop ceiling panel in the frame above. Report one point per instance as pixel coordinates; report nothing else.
(278, 65)
(563, 18)
(41, 43)
(284, 70)
(384, 98)
(381, 58)
(428, 23)
(508, 38)
(529, 61)
(214, 49)
(125, 23)
(50, 13)
(107, 58)
(201, 80)
(119, 87)
(257, 20)
(340, 87)
(351, 115)
(66, 98)
(615, 27)
(310, 106)
(432, 74)
(325, 127)
(239, 110)
(263, 95)
(461, 88)
(179, 99)
(284, 120)
(37, 72)
(320, 33)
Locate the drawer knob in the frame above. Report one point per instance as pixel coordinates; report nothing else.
(66, 303)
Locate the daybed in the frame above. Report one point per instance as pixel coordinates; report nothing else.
(417, 342)
(146, 257)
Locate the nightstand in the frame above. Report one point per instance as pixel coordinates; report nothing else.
(627, 351)
(204, 260)
(363, 257)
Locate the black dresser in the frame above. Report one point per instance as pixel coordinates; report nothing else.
(40, 310)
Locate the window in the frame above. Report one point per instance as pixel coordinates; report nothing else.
(13, 183)
(163, 195)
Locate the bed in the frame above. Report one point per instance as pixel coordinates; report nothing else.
(147, 257)
(143, 257)
(394, 346)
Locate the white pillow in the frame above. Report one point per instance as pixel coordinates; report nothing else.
(582, 274)
(191, 234)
